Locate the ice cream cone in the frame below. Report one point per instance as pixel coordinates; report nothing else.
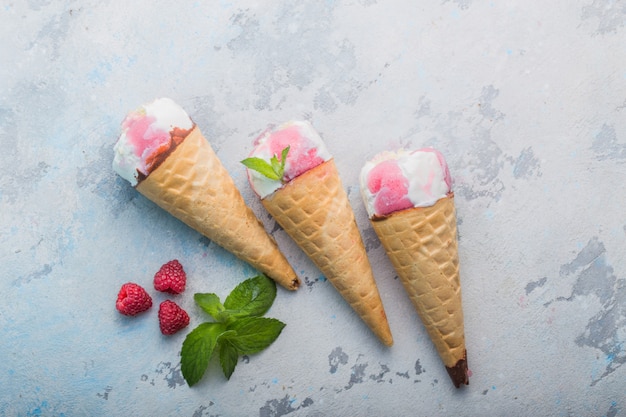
(421, 243)
(314, 210)
(193, 186)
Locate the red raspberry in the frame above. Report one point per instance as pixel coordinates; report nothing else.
(171, 278)
(132, 299)
(172, 318)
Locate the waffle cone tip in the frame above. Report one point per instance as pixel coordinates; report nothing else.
(459, 373)
(293, 285)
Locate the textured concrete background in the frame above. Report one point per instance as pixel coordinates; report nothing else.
(526, 98)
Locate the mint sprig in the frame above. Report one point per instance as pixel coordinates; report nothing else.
(274, 169)
(238, 329)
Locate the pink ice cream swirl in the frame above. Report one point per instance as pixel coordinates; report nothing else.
(306, 151)
(149, 135)
(394, 181)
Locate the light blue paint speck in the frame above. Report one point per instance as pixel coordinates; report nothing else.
(598, 263)
(489, 215)
(421, 71)
(455, 14)
(226, 5)
(38, 411)
(99, 74)
(493, 387)
(275, 381)
(509, 51)
(132, 60)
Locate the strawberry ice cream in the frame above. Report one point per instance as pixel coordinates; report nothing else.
(149, 134)
(394, 181)
(306, 151)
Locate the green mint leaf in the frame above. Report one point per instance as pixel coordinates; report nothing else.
(228, 357)
(239, 328)
(276, 166)
(273, 170)
(254, 334)
(262, 166)
(197, 350)
(252, 297)
(283, 160)
(210, 303)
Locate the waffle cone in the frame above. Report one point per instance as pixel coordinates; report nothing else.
(314, 210)
(422, 245)
(193, 186)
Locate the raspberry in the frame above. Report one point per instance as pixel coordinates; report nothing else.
(172, 318)
(171, 278)
(132, 299)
